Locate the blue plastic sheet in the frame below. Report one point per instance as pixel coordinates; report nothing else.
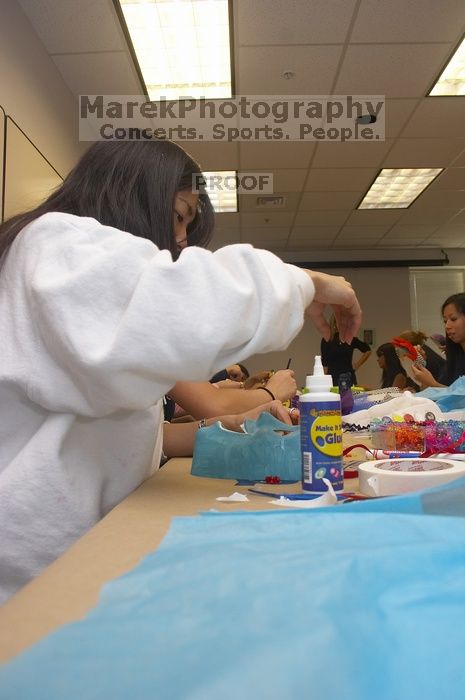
(268, 447)
(364, 601)
(449, 398)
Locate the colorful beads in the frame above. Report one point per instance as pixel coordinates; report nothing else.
(407, 435)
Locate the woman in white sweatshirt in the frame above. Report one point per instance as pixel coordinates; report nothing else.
(100, 316)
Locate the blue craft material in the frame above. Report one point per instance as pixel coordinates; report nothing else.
(448, 398)
(240, 606)
(269, 447)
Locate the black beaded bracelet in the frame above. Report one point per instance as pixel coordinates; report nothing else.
(267, 391)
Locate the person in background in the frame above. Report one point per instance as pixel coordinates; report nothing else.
(393, 374)
(434, 363)
(107, 299)
(235, 373)
(453, 314)
(440, 341)
(337, 356)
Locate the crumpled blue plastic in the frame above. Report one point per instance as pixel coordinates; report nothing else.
(260, 451)
(364, 601)
(448, 398)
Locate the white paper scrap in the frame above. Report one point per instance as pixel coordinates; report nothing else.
(233, 498)
(326, 499)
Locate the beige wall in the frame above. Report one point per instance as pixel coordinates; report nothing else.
(33, 92)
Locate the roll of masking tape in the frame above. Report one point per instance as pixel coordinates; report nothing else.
(389, 477)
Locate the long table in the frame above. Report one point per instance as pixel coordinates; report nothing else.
(70, 586)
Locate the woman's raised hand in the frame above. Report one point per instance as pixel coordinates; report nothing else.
(336, 292)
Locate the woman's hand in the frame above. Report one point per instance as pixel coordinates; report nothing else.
(274, 407)
(424, 377)
(336, 292)
(282, 384)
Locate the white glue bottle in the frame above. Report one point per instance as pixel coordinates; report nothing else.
(320, 433)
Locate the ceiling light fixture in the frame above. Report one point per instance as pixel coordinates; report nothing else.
(182, 47)
(452, 79)
(397, 188)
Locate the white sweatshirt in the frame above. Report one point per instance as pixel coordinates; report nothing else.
(96, 325)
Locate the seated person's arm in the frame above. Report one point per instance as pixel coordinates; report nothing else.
(202, 400)
(361, 360)
(179, 438)
(400, 381)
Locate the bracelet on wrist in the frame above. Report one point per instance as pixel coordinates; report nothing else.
(202, 423)
(267, 391)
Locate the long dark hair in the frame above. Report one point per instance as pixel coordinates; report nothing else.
(130, 185)
(454, 351)
(392, 367)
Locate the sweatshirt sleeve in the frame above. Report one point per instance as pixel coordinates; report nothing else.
(111, 322)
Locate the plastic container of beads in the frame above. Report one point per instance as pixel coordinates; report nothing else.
(432, 436)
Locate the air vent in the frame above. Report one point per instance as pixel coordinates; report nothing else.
(271, 202)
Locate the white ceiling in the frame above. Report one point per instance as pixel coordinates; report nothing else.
(395, 48)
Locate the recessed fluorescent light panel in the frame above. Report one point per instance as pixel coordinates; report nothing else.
(182, 47)
(452, 79)
(221, 187)
(396, 188)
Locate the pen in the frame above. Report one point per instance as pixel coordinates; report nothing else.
(289, 363)
(298, 496)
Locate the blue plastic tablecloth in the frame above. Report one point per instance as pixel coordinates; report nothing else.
(359, 602)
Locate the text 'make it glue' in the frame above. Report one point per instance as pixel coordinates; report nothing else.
(320, 433)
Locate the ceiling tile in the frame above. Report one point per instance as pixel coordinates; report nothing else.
(293, 21)
(327, 233)
(227, 221)
(213, 156)
(364, 231)
(450, 179)
(446, 240)
(76, 27)
(400, 231)
(293, 154)
(459, 219)
(290, 180)
(381, 69)
(267, 233)
(272, 219)
(109, 73)
(328, 200)
(433, 217)
(355, 154)
(423, 153)
(439, 199)
(372, 217)
(322, 218)
(460, 161)
(397, 112)
(354, 243)
(437, 117)
(342, 179)
(416, 20)
(261, 70)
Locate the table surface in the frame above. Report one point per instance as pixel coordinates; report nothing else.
(69, 587)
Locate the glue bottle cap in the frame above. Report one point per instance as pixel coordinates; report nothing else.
(319, 381)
